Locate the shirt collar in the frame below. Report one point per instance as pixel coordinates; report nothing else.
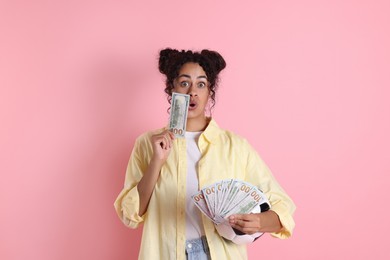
(211, 132)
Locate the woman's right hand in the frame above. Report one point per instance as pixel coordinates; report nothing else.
(162, 145)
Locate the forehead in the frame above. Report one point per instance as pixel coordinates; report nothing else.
(192, 69)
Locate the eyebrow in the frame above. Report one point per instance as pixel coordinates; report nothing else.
(188, 76)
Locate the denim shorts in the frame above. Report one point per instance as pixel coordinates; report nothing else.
(197, 249)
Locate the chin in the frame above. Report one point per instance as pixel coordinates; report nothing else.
(194, 115)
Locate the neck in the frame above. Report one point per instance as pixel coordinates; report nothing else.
(197, 124)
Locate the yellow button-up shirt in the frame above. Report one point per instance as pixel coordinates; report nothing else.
(224, 155)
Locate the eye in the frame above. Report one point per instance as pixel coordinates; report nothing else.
(185, 84)
(201, 84)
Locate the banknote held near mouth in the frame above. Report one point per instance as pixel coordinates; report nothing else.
(179, 111)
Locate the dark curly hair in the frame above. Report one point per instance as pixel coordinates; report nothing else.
(171, 61)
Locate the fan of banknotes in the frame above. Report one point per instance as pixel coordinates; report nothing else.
(227, 197)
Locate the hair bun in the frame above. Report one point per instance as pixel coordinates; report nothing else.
(216, 59)
(163, 62)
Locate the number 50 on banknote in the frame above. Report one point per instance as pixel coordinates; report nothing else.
(179, 111)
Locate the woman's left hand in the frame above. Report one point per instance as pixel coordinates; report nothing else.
(267, 221)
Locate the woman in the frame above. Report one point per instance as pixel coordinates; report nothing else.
(164, 171)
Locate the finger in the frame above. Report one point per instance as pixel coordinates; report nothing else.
(247, 230)
(245, 217)
(169, 135)
(245, 224)
(244, 220)
(164, 139)
(172, 135)
(245, 227)
(235, 217)
(239, 228)
(160, 143)
(168, 141)
(163, 143)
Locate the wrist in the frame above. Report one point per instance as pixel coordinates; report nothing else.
(156, 163)
(269, 222)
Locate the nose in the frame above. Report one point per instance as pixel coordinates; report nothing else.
(192, 91)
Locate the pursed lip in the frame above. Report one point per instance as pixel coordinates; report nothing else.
(193, 105)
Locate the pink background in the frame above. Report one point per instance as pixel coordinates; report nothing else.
(307, 83)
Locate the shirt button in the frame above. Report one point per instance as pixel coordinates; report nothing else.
(189, 245)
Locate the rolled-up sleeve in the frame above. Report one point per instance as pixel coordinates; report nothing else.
(127, 202)
(127, 207)
(281, 203)
(284, 211)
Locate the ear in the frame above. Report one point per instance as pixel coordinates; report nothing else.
(209, 88)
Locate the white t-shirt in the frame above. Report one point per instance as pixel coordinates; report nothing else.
(194, 227)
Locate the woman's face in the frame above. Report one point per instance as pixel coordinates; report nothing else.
(192, 80)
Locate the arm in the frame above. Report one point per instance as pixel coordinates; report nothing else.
(162, 144)
(143, 170)
(279, 220)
